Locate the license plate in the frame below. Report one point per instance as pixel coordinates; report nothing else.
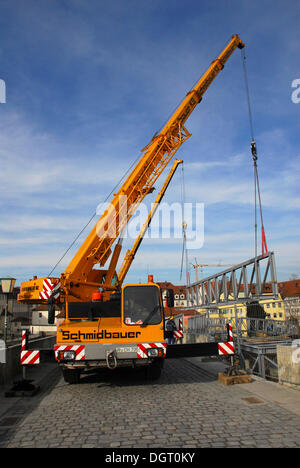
(127, 349)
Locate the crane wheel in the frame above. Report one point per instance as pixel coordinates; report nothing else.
(153, 371)
(71, 376)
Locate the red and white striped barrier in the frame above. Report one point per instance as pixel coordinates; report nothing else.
(24, 340)
(143, 349)
(179, 333)
(230, 334)
(228, 347)
(78, 349)
(28, 357)
(49, 289)
(225, 348)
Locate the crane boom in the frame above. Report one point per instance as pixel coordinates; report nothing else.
(156, 155)
(130, 254)
(79, 279)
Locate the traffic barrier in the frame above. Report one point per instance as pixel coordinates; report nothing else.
(225, 348)
(178, 334)
(35, 356)
(229, 331)
(28, 357)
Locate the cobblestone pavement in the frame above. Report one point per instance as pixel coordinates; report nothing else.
(186, 408)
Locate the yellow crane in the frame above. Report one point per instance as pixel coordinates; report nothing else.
(118, 325)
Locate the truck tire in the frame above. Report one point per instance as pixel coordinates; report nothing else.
(71, 376)
(154, 369)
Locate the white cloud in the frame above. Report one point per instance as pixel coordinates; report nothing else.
(31, 261)
(38, 222)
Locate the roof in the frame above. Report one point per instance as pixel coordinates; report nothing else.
(285, 288)
(178, 289)
(176, 311)
(289, 288)
(22, 320)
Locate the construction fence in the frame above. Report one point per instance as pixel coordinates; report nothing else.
(256, 339)
(244, 328)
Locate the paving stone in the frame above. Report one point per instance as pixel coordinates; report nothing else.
(184, 409)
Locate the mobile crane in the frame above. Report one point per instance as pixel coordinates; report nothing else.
(106, 324)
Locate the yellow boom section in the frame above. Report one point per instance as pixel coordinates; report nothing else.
(130, 254)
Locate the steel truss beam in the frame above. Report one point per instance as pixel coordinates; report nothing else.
(252, 280)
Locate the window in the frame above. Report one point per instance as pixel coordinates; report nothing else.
(141, 305)
(273, 305)
(275, 316)
(279, 304)
(268, 305)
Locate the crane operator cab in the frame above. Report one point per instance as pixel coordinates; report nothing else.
(141, 305)
(127, 330)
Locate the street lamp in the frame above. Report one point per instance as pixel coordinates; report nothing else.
(7, 284)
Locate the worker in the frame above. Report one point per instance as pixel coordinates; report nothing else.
(170, 328)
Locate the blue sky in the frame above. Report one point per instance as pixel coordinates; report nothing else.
(89, 82)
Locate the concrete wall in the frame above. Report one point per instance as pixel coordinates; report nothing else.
(13, 368)
(288, 359)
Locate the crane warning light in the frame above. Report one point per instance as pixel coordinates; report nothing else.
(97, 296)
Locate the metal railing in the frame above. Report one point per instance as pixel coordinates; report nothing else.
(243, 327)
(255, 339)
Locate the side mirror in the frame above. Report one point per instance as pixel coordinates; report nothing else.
(170, 298)
(51, 310)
